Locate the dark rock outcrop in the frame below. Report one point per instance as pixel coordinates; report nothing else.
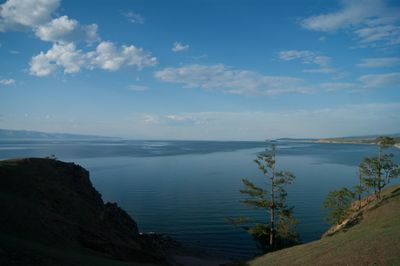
(54, 204)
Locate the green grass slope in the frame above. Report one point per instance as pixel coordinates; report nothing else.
(374, 240)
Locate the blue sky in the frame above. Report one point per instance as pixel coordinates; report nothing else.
(221, 70)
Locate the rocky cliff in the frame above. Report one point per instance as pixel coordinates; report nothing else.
(50, 209)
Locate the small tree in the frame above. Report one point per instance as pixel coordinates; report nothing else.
(338, 203)
(278, 231)
(377, 171)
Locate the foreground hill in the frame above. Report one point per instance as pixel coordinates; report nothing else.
(370, 236)
(52, 215)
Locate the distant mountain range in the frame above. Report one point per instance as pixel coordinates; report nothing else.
(27, 134)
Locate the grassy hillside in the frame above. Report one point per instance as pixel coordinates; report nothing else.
(373, 240)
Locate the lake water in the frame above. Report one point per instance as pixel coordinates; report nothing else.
(187, 188)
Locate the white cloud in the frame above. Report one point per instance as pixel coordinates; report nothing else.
(179, 47)
(36, 15)
(7, 82)
(106, 56)
(380, 62)
(134, 17)
(221, 78)
(137, 88)
(65, 30)
(381, 80)
(25, 14)
(109, 57)
(65, 56)
(15, 52)
(371, 21)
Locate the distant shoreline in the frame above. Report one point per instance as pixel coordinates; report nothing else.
(396, 145)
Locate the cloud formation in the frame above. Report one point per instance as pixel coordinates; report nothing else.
(107, 56)
(371, 21)
(179, 47)
(221, 78)
(233, 81)
(66, 33)
(66, 30)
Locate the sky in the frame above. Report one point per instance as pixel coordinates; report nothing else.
(201, 70)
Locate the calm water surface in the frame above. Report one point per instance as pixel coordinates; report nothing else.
(187, 188)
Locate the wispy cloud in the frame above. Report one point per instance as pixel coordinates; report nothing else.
(179, 47)
(7, 82)
(334, 86)
(309, 57)
(380, 62)
(381, 80)
(137, 88)
(222, 78)
(371, 21)
(233, 81)
(322, 70)
(133, 17)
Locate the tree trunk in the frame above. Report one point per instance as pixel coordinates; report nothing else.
(272, 232)
(272, 207)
